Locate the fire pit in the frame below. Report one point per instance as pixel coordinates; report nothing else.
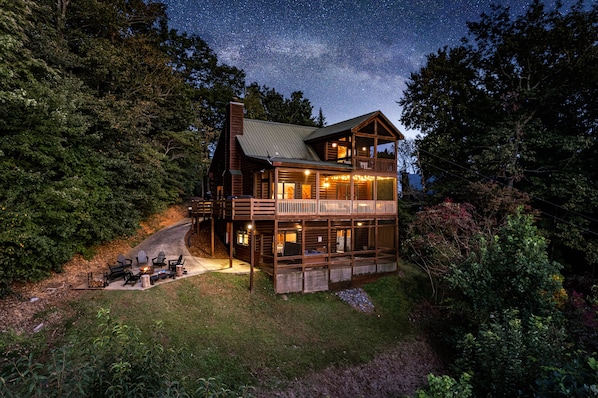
(147, 270)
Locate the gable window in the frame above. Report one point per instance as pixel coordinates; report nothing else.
(343, 150)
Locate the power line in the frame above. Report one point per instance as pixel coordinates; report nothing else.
(517, 189)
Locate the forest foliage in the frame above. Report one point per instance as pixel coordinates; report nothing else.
(516, 103)
(107, 115)
(508, 230)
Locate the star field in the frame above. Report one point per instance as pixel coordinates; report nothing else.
(347, 57)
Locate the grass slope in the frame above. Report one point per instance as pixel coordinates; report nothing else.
(260, 339)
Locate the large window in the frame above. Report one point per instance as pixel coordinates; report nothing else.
(288, 243)
(286, 190)
(243, 237)
(305, 191)
(343, 240)
(385, 188)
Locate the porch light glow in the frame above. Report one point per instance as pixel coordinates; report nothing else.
(326, 185)
(347, 177)
(334, 144)
(307, 172)
(359, 224)
(249, 226)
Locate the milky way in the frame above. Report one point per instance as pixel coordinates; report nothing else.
(347, 57)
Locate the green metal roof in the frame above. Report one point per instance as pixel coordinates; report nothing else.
(272, 140)
(290, 144)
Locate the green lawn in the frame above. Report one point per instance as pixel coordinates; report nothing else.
(258, 338)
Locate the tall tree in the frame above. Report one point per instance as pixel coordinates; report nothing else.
(212, 84)
(264, 103)
(516, 104)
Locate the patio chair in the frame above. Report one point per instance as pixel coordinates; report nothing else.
(125, 262)
(173, 263)
(131, 278)
(117, 271)
(142, 259)
(159, 261)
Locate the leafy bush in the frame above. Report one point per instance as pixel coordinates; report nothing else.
(120, 362)
(446, 387)
(440, 236)
(577, 377)
(510, 271)
(507, 354)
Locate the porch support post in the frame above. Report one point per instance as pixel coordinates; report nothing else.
(303, 253)
(229, 227)
(212, 237)
(275, 255)
(251, 255)
(397, 239)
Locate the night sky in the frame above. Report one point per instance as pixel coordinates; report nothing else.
(347, 57)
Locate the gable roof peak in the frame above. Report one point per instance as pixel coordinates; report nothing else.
(349, 125)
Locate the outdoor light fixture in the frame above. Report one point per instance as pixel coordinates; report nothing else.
(249, 226)
(359, 224)
(334, 144)
(307, 172)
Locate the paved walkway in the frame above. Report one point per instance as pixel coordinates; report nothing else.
(171, 241)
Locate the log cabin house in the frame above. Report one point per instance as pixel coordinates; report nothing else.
(314, 207)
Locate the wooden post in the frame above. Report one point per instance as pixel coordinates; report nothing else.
(229, 227)
(275, 254)
(212, 236)
(251, 255)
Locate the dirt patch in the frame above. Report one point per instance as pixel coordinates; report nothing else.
(396, 373)
(199, 245)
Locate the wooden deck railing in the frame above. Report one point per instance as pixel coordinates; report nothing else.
(268, 209)
(383, 165)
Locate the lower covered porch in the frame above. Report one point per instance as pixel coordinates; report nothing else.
(316, 255)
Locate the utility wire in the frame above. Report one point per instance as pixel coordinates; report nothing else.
(500, 182)
(541, 211)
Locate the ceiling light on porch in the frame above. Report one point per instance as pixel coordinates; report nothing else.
(359, 224)
(334, 144)
(307, 172)
(249, 226)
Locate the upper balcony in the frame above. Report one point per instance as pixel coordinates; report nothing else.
(377, 165)
(270, 209)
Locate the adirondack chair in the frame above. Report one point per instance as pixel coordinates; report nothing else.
(131, 278)
(142, 259)
(159, 261)
(125, 262)
(117, 271)
(173, 263)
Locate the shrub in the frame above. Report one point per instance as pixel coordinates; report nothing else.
(120, 362)
(507, 354)
(510, 271)
(446, 387)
